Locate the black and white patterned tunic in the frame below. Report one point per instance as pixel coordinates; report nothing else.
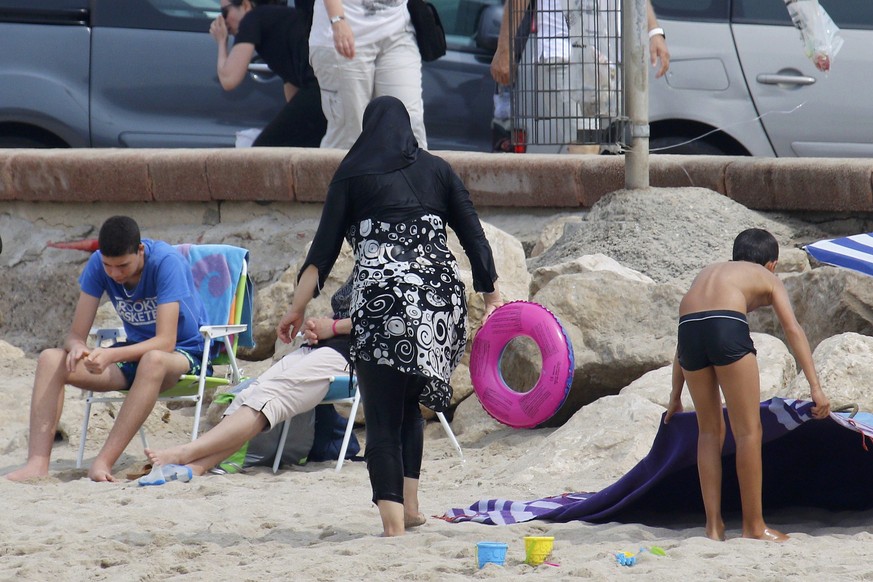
(408, 305)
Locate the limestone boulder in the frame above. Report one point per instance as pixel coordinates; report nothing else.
(619, 328)
(606, 438)
(552, 232)
(845, 365)
(792, 260)
(827, 301)
(584, 264)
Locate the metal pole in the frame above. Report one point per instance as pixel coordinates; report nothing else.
(636, 92)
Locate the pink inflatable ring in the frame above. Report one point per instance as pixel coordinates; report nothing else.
(522, 409)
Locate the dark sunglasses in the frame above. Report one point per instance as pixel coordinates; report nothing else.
(225, 10)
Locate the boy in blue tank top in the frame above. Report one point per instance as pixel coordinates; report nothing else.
(151, 287)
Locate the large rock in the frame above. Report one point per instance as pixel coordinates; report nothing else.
(667, 234)
(552, 232)
(775, 362)
(620, 329)
(584, 264)
(827, 301)
(606, 438)
(845, 365)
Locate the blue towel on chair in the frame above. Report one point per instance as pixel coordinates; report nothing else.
(217, 270)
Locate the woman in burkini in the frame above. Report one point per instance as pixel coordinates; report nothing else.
(393, 200)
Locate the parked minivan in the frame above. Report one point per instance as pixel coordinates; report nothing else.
(738, 66)
(141, 73)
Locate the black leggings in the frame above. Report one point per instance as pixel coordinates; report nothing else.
(395, 427)
(300, 123)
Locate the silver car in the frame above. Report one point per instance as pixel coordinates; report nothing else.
(141, 73)
(738, 69)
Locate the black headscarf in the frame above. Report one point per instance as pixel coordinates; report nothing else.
(386, 142)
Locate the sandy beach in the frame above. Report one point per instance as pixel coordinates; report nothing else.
(312, 523)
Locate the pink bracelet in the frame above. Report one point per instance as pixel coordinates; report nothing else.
(333, 326)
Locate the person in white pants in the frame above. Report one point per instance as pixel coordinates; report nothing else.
(359, 50)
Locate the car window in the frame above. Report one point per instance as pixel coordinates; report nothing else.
(704, 10)
(460, 20)
(180, 15)
(845, 13)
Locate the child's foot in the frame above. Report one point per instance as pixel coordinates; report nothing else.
(716, 534)
(414, 520)
(715, 530)
(171, 456)
(27, 473)
(768, 535)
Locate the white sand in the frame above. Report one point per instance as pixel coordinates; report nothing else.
(311, 523)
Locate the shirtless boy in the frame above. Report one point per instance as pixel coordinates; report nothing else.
(715, 349)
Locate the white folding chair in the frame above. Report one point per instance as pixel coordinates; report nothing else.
(344, 390)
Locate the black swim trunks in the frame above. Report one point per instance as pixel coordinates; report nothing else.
(713, 338)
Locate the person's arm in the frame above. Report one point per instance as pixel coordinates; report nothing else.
(675, 404)
(232, 65)
(464, 220)
(657, 43)
(293, 319)
(799, 346)
(166, 324)
(322, 328)
(290, 91)
(83, 318)
(501, 63)
(343, 38)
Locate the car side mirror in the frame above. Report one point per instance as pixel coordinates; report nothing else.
(488, 30)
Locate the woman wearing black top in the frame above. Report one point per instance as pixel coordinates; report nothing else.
(393, 201)
(281, 37)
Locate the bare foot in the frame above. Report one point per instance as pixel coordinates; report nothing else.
(768, 535)
(716, 534)
(414, 520)
(171, 456)
(100, 473)
(28, 472)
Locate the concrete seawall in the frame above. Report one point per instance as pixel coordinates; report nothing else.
(494, 180)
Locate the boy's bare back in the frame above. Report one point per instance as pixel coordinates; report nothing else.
(736, 286)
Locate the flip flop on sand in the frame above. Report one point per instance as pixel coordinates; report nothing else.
(163, 473)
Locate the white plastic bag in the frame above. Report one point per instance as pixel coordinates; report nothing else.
(818, 32)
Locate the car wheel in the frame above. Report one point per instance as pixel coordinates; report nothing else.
(21, 141)
(681, 145)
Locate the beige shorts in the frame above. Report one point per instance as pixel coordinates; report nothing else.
(294, 384)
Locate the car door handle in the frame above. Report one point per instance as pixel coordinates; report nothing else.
(778, 79)
(259, 68)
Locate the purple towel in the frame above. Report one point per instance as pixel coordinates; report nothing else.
(818, 463)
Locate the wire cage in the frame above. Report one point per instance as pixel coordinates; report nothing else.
(567, 87)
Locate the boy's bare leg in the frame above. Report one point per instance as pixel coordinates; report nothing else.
(47, 403)
(216, 445)
(157, 371)
(703, 386)
(742, 392)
